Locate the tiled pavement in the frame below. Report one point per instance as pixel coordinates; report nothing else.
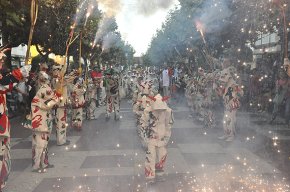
(107, 156)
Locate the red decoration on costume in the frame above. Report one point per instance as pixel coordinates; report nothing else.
(17, 74)
(35, 100)
(36, 109)
(57, 94)
(36, 121)
(148, 172)
(152, 98)
(160, 165)
(165, 98)
(3, 123)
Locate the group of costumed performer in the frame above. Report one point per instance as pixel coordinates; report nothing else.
(7, 82)
(200, 96)
(203, 92)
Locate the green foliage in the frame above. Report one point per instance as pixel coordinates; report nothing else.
(227, 25)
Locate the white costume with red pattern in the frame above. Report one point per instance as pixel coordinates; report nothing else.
(157, 126)
(231, 93)
(78, 103)
(42, 123)
(6, 85)
(61, 112)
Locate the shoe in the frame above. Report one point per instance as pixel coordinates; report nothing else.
(49, 166)
(117, 117)
(223, 137)
(231, 138)
(66, 143)
(107, 118)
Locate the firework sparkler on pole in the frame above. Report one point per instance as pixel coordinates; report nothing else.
(208, 57)
(200, 28)
(33, 17)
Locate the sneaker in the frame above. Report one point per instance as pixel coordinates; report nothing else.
(223, 137)
(231, 138)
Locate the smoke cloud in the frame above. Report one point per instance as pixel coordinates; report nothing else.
(105, 25)
(149, 7)
(214, 15)
(109, 40)
(110, 7)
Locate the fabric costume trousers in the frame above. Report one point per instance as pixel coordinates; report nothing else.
(99, 97)
(229, 122)
(165, 91)
(155, 161)
(40, 150)
(77, 117)
(5, 160)
(113, 104)
(92, 108)
(60, 126)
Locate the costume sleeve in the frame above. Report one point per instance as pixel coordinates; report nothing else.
(168, 125)
(144, 120)
(46, 104)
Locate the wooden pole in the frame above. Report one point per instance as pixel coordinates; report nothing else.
(80, 53)
(33, 16)
(285, 33)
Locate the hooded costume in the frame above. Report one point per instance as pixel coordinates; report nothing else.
(42, 121)
(60, 84)
(157, 126)
(231, 93)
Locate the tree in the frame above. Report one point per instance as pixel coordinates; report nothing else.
(14, 25)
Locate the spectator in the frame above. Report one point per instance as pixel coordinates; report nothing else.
(165, 82)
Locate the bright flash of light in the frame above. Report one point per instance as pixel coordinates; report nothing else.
(200, 28)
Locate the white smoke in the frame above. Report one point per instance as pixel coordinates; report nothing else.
(109, 40)
(214, 15)
(110, 9)
(149, 7)
(104, 28)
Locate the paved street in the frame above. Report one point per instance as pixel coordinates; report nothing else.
(107, 156)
